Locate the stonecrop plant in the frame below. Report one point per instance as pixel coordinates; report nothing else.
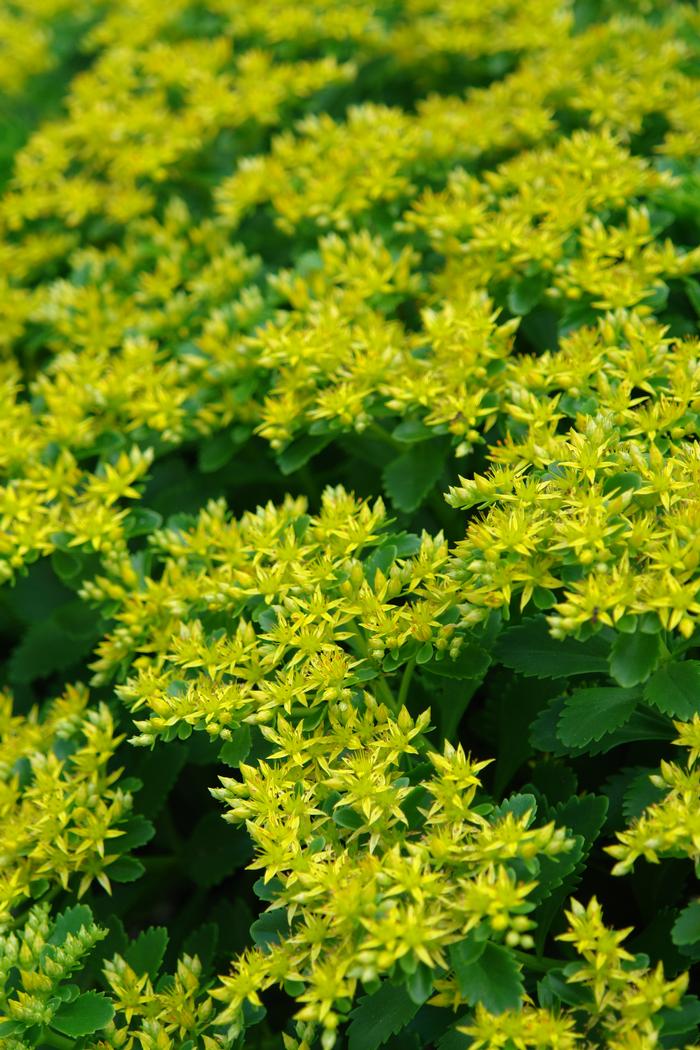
(350, 525)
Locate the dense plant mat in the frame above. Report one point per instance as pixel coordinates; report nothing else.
(350, 524)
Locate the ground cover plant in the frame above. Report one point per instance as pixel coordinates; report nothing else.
(349, 524)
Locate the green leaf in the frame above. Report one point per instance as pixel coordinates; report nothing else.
(299, 452)
(141, 521)
(640, 793)
(270, 928)
(466, 952)
(530, 650)
(633, 657)
(215, 850)
(412, 430)
(686, 928)
(379, 1016)
(419, 984)
(675, 689)
(472, 662)
(524, 295)
(137, 832)
(70, 921)
(66, 565)
(215, 452)
(409, 478)
(125, 869)
(492, 979)
(236, 751)
(589, 714)
(202, 943)
(45, 648)
(86, 1014)
(145, 954)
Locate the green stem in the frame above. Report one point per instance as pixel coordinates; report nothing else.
(405, 682)
(539, 963)
(381, 433)
(54, 1039)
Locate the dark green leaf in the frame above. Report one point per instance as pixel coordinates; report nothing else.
(675, 689)
(686, 928)
(236, 751)
(530, 650)
(409, 478)
(379, 1016)
(145, 954)
(215, 850)
(300, 452)
(270, 928)
(590, 714)
(125, 869)
(492, 979)
(472, 662)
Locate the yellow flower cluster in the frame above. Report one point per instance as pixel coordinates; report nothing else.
(671, 826)
(63, 811)
(621, 1008)
(278, 613)
(594, 484)
(33, 963)
(373, 869)
(158, 1019)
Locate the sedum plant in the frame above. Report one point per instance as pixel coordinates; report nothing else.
(349, 372)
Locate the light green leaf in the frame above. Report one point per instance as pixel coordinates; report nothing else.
(145, 954)
(633, 657)
(86, 1014)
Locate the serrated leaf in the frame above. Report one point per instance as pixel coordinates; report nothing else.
(137, 832)
(215, 850)
(145, 954)
(45, 648)
(86, 1014)
(202, 943)
(493, 979)
(530, 650)
(640, 794)
(409, 478)
(583, 816)
(633, 657)
(686, 928)
(270, 928)
(467, 951)
(675, 689)
(70, 921)
(589, 714)
(379, 1016)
